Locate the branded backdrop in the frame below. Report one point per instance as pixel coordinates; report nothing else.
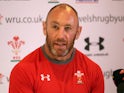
(102, 37)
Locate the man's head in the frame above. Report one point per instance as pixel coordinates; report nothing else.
(61, 29)
(63, 6)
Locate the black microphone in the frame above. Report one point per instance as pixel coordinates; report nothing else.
(120, 88)
(118, 80)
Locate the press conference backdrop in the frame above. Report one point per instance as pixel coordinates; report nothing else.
(102, 37)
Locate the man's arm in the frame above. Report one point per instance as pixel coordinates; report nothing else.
(98, 83)
(19, 81)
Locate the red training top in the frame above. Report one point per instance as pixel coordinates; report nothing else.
(37, 73)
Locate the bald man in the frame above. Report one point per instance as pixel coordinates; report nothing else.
(56, 66)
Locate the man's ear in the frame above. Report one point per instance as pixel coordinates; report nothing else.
(78, 32)
(44, 27)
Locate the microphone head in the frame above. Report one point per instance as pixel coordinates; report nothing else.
(117, 77)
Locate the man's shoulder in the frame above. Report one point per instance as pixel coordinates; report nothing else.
(86, 60)
(89, 65)
(29, 60)
(32, 56)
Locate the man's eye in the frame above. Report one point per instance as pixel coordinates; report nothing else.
(68, 28)
(55, 27)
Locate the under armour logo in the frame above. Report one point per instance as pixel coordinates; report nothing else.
(43, 77)
(79, 77)
(87, 40)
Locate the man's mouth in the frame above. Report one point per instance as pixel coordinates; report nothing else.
(60, 45)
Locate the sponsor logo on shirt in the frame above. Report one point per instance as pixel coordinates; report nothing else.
(45, 77)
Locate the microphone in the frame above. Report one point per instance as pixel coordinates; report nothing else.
(120, 88)
(118, 79)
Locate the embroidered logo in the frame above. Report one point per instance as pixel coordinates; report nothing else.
(79, 77)
(43, 77)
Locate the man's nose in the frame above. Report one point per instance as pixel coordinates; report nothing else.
(61, 33)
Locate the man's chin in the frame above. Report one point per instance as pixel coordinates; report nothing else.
(60, 53)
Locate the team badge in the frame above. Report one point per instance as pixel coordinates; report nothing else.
(79, 77)
(43, 77)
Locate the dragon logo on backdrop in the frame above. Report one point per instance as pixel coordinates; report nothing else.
(3, 79)
(98, 44)
(1, 17)
(16, 45)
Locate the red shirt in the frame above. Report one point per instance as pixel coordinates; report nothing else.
(38, 74)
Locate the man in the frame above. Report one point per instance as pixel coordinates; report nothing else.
(57, 67)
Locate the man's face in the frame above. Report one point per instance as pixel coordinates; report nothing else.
(61, 31)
